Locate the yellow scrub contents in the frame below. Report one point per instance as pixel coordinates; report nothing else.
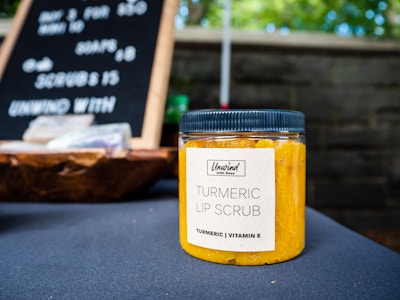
(248, 208)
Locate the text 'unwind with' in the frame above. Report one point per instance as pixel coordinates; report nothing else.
(226, 167)
(62, 106)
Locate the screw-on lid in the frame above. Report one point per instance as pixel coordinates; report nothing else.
(242, 120)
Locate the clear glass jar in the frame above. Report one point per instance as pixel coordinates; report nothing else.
(242, 185)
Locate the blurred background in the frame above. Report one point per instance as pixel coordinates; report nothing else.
(338, 61)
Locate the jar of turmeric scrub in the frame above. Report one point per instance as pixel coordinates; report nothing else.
(242, 185)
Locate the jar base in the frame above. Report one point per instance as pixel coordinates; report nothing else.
(239, 258)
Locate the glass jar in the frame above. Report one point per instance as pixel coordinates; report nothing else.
(242, 185)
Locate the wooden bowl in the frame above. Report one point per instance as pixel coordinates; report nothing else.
(81, 175)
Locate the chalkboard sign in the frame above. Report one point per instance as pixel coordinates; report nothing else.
(107, 58)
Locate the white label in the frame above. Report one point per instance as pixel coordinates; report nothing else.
(231, 198)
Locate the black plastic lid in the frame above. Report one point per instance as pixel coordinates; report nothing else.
(242, 120)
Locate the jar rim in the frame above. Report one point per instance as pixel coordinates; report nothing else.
(242, 120)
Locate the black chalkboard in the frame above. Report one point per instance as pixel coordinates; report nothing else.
(109, 58)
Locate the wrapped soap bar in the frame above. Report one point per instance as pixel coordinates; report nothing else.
(20, 146)
(45, 128)
(115, 136)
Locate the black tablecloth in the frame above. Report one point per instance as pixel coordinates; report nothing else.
(131, 250)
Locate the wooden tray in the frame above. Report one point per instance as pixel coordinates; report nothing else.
(82, 175)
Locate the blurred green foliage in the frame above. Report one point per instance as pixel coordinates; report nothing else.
(369, 18)
(8, 8)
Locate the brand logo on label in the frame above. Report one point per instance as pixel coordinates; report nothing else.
(226, 168)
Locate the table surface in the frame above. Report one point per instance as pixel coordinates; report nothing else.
(131, 249)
